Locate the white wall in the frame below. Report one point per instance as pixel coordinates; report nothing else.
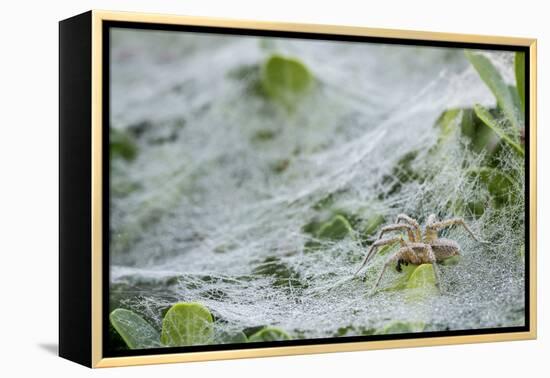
(28, 185)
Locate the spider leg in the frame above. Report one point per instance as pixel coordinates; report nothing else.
(399, 255)
(378, 244)
(455, 221)
(411, 221)
(433, 260)
(395, 227)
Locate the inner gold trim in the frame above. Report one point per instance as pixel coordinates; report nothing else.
(97, 332)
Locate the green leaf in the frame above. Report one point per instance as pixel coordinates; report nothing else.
(498, 183)
(465, 121)
(423, 277)
(519, 65)
(116, 342)
(372, 224)
(285, 79)
(401, 327)
(187, 324)
(516, 99)
(121, 145)
(269, 334)
(490, 75)
(490, 121)
(231, 337)
(482, 137)
(448, 122)
(404, 275)
(336, 229)
(134, 330)
(421, 283)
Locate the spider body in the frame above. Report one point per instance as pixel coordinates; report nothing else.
(445, 248)
(422, 246)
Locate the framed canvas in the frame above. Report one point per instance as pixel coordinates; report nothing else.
(234, 189)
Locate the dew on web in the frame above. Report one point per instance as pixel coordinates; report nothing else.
(215, 207)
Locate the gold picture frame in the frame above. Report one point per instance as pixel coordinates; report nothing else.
(81, 274)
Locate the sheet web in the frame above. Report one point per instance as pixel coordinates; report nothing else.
(225, 181)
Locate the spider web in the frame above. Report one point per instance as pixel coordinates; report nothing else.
(213, 218)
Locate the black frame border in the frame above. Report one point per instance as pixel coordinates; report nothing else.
(75, 180)
(107, 25)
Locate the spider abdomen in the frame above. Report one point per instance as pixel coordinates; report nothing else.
(445, 248)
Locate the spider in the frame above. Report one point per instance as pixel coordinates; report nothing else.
(421, 248)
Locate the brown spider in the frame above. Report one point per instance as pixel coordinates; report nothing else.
(425, 248)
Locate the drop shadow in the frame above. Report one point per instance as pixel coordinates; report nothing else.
(51, 348)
